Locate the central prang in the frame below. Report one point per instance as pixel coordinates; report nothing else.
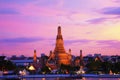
(60, 55)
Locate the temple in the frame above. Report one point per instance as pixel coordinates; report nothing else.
(59, 54)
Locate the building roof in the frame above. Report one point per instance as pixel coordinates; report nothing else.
(22, 61)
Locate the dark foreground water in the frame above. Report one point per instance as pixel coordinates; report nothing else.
(72, 79)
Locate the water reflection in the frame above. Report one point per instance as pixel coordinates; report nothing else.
(43, 79)
(71, 79)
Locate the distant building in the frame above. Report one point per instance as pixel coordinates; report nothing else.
(22, 62)
(43, 60)
(79, 60)
(14, 57)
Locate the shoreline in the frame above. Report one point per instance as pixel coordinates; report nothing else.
(60, 76)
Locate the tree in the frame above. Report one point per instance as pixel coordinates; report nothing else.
(116, 68)
(66, 68)
(94, 66)
(45, 69)
(7, 65)
(107, 66)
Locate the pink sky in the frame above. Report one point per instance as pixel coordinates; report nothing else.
(90, 25)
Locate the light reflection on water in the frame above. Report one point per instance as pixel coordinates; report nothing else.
(72, 79)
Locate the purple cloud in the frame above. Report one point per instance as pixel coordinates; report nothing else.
(117, 1)
(96, 20)
(111, 11)
(48, 2)
(88, 32)
(15, 1)
(20, 40)
(82, 41)
(109, 43)
(8, 11)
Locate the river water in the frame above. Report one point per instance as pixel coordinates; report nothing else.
(72, 79)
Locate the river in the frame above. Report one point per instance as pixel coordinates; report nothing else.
(72, 79)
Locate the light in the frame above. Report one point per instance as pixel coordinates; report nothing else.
(49, 68)
(31, 68)
(22, 72)
(5, 72)
(80, 71)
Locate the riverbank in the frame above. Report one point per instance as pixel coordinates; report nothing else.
(60, 76)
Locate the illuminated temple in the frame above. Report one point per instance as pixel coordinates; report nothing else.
(59, 54)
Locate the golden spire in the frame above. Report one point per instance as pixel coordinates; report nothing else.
(59, 51)
(59, 35)
(59, 30)
(81, 57)
(59, 48)
(35, 56)
(69, 51)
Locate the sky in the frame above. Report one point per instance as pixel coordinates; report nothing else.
(89, 25)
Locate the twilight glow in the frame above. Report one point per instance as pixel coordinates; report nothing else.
(90, 25)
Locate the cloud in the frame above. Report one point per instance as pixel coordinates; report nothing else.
(96, 20)
(111, 11)
(8, 11)
(117, 1)
(109, 43)
(15, 1)
(20, 40)
(103, 20)
(82, 41)
(48, 2)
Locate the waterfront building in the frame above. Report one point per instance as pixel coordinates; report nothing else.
(99, 58)
(22, 62)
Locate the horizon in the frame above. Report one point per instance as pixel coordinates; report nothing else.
(90, 26)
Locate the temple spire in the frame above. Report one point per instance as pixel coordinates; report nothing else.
(59, 51)
(81, 57)
(35, 56)
(59, 35)
(59, 30)
(69, 51)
